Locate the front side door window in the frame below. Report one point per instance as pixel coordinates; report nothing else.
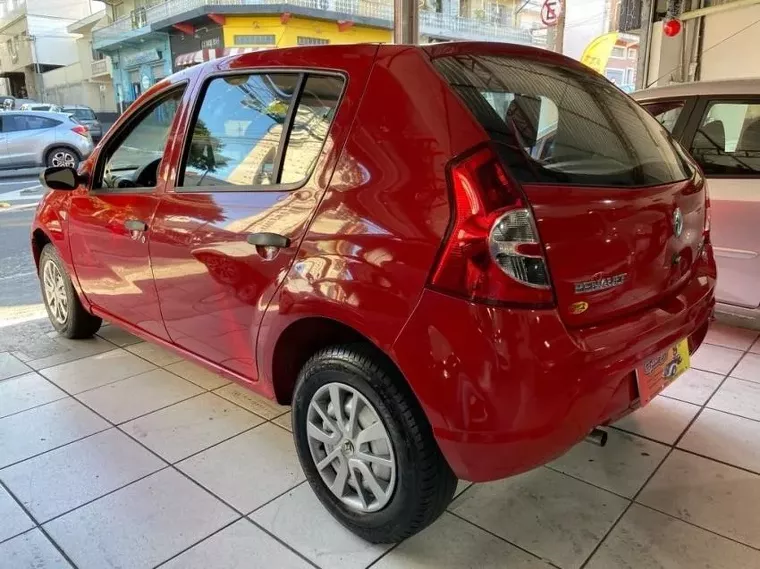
(134, 160)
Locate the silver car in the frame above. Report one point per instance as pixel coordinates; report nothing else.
(41, 107)
(36, 138)
(86, 116)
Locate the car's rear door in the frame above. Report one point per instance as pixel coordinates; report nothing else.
(724, 137)
(260, 152)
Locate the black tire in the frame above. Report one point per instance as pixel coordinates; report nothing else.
(54, 155)
(425, 483)
(78, 323)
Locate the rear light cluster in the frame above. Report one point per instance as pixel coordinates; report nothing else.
(492, 252)
(80, 129)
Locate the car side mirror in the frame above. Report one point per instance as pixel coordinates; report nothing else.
(60, 178)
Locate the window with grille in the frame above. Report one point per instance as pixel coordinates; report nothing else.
(305, 40)
(254, 39)
(618, 52)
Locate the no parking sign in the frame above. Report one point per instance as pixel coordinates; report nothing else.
(550, 12)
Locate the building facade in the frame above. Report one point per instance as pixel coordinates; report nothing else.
(621, 66)
(88, 81)
(34, 39)
(147, 41)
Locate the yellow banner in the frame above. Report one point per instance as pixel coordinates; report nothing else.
(597, 53)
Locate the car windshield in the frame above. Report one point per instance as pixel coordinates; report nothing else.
(82, 114)
(561, 125)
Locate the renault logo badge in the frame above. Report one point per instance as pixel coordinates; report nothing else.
(677, 222)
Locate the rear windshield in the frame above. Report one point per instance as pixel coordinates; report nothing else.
(82, 114)
(564, 126)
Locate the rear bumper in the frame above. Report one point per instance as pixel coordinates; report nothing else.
(507, 390)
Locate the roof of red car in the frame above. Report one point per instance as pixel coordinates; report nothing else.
(310, 55)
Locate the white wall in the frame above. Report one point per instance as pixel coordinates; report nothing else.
(62, 76)
(735, 57)
(55, 46)
(664, 57)
(584, 20)
(73, 9)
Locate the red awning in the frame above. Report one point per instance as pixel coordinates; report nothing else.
(195, 57)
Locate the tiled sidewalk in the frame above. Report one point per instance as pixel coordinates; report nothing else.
(116, 453)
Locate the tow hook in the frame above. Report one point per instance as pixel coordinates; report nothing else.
(597, 436)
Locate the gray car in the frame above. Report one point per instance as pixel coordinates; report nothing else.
(87, 117)
(36, 138)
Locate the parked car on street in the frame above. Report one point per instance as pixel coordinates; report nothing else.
(10, 104)
(366, 233)
(718, 122)
(41, 107)
(87, 117)
(35, 138)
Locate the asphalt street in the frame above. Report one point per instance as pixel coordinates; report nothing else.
(20, 296)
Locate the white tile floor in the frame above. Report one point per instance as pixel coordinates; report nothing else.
(115, 453)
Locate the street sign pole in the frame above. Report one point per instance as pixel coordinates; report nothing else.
(553, 17)
(406, 21)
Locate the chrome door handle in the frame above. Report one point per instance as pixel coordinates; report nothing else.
(135, 225)
(268, 240)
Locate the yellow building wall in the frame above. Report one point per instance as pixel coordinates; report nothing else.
(286, 35)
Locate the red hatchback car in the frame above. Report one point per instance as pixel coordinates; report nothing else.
(453, 260)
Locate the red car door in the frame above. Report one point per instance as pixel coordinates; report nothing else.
(260, 152)
(109, 221)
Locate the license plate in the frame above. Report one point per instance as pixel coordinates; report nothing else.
(655, 373)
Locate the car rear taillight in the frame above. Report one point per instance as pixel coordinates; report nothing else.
(80, 129)
(492, 252)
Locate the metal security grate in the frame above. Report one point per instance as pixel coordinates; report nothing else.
(254, 39)
(305, 40)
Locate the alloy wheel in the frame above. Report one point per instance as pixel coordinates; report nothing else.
(63, 158)
(55, 292)
(351, 447)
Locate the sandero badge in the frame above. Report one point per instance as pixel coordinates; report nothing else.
(600, 283)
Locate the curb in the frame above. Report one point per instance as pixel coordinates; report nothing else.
(21, 173)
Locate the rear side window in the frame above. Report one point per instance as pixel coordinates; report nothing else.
(314, 114)
(563, 126)
(260, 129)
(15, 123)
(665, 112)
(727, 142)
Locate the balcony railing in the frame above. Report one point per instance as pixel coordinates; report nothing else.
(446, 26)
(120, 29)
(99, 67)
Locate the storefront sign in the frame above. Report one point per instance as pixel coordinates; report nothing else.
(200, 46)
(140, 58)
(211, 43)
